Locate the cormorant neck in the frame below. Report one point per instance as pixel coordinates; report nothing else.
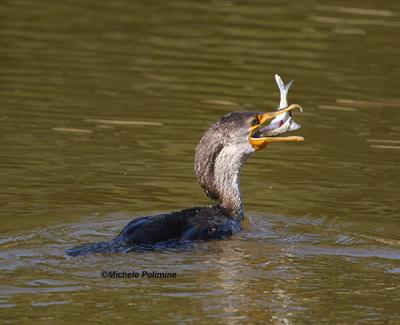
(217, 166)
(226, 180)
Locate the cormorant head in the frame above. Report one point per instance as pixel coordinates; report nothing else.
(247, 132)
(226, 145)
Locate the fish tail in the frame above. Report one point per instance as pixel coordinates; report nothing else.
(283, 89)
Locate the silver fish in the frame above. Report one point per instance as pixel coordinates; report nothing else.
(284, 122)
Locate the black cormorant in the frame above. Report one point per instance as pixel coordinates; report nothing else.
(219, 156)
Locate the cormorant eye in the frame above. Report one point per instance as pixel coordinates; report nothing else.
(255, 121)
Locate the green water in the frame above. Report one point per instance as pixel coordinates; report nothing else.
(321, 242)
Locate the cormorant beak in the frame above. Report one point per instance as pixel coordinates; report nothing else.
(257, 138)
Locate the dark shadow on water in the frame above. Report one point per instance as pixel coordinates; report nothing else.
(116, 246)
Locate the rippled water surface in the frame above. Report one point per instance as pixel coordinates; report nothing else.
(102, 105)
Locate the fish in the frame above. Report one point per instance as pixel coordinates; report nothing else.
(283, 122)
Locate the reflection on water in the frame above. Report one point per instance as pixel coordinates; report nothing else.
(102, 107)
(274, 270)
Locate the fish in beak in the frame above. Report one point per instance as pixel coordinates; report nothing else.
(280, 121)
(284, 122)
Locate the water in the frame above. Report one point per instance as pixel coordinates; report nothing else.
(102, 105)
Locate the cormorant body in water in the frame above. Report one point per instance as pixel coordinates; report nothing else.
(223, 149)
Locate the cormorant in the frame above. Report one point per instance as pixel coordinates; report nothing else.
(223, 149)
